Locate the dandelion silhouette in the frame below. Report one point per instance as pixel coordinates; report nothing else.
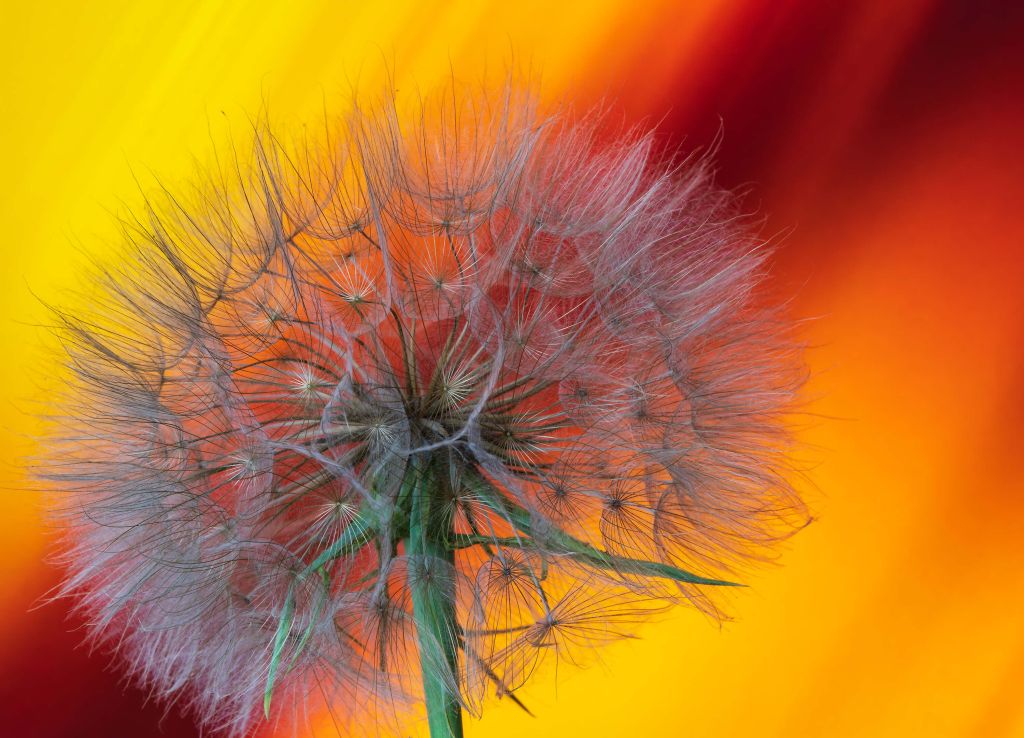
(395, 416)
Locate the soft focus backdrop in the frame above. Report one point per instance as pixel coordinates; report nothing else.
(884, 139)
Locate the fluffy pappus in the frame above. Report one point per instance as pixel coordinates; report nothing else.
(394, 415)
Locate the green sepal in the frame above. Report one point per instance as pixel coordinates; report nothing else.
(283, 627)
(317, 608)
(357, 533)
(561, 542)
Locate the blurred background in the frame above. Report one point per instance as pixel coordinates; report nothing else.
(882, 138)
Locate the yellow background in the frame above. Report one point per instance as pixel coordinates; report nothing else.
(899, 612)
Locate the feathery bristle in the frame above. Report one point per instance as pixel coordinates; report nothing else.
(547, 342)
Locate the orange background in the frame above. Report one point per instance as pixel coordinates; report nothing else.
(884, 137)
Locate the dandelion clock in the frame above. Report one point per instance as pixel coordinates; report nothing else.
(382, 420)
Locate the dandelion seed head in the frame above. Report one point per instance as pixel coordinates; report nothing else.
(498, 361)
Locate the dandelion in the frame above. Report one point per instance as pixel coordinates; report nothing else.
(397, 416)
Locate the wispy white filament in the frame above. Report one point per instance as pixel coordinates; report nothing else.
(531, 307)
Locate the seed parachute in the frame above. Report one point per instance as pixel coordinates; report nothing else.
(394, 416)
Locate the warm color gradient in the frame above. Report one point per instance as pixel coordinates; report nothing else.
(887, 137)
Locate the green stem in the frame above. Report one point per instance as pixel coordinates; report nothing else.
(433, 602)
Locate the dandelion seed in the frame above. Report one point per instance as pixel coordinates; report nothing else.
(398, 417)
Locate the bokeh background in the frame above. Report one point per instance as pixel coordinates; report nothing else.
(883, 138)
